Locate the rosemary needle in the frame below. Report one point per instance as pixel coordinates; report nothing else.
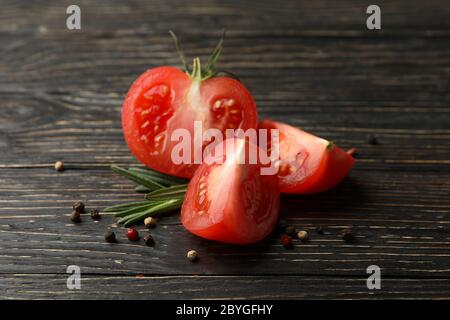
(153, 211)
(120, 207)
(168, 193)
(142, 189)
(135, 209)
(138, 178)
(161, 178)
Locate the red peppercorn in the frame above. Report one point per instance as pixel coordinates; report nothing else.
(132, 234)
(286, 241)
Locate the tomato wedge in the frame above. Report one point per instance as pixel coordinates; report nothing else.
(231, 202)
(308, 164)
(165, 99)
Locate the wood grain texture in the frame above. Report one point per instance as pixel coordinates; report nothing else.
(312, 64)
(394, 228)
(30, 286)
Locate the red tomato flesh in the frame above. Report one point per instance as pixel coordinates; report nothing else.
(164, 99)
(308, 164)
(231, 202)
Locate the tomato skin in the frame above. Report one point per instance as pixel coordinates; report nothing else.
(130, 123)
(164, 99)
(334, 167)
(231, 203)
(323, 165)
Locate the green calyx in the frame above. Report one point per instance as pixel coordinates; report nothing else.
(196, 71)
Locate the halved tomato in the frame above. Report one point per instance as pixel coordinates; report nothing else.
(164, 99)
(231, 202)
(307, 164)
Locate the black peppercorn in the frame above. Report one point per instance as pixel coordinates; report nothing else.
(148, 240)
(319, 230)
(290, 231)
(95, 214)
(110, 236)
(78, 207)
(372, 139)
(75, 216)
(347, 235)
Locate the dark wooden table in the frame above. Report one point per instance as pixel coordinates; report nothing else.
(313, 64)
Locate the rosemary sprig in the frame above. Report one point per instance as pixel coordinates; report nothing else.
(163, 194)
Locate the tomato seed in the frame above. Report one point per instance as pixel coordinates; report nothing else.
(284, 169)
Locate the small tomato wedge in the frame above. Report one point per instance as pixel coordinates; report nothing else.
(231, 202)
(165, 99)
(308, 164)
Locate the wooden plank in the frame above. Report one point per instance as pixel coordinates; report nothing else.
(47, 115)
(403, 229)
(289, 70)
(202, 16)
(35, 286)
